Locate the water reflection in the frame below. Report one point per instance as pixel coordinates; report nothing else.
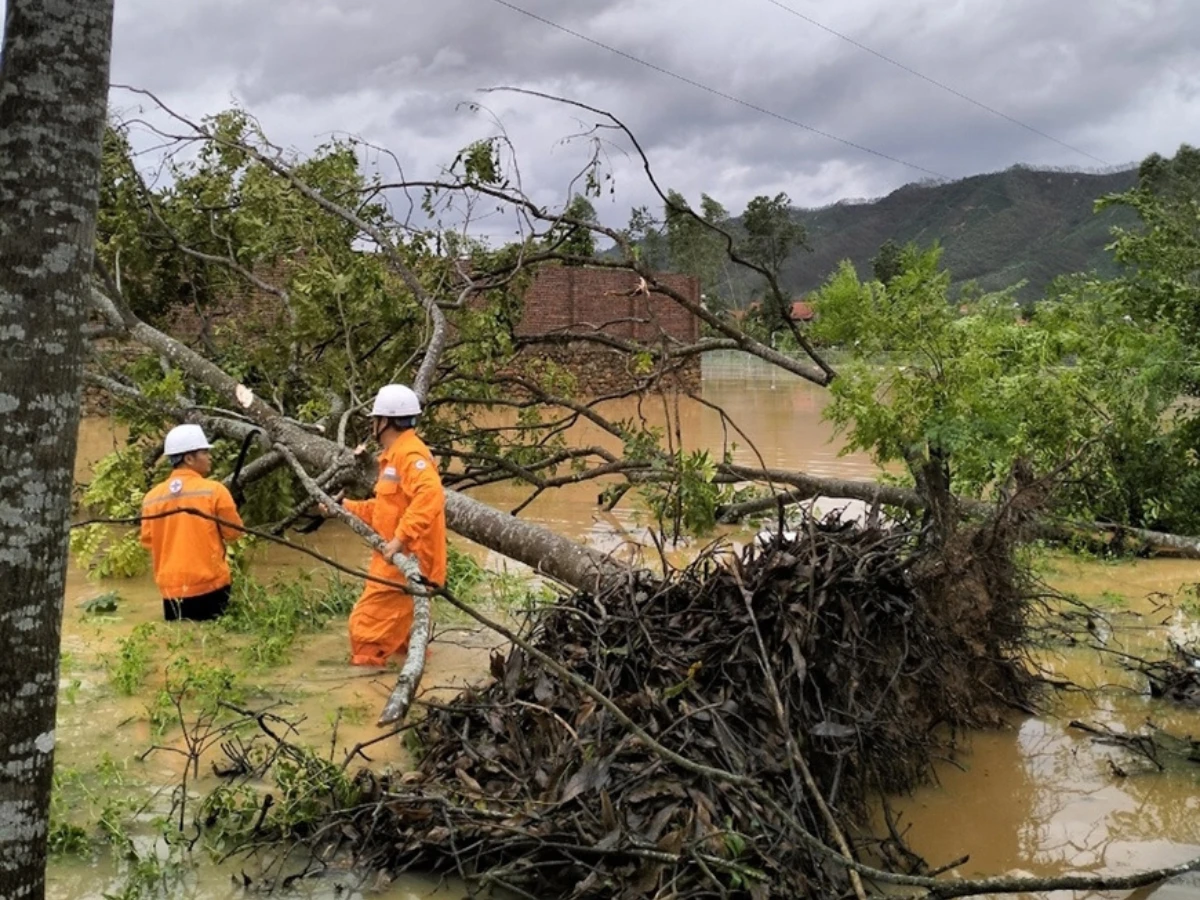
(1043, 798)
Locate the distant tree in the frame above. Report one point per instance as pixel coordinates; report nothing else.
(693, 248)
(575, 240)
(646, 231)
(771, 234)
(887, 263)
(713, 212)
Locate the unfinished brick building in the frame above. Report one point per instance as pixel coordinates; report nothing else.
(566, 300)
(561, 300)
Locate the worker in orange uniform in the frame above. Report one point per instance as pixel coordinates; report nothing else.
(188, 552)
(409, 512)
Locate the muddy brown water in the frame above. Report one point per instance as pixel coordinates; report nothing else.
(1036, 797)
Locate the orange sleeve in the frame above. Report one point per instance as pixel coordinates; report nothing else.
(146, 536)
(363, 509)
(428, 499)
(226, 511)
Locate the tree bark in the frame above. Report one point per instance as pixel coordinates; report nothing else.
(53, 96)
(805, 487)
(539, 548)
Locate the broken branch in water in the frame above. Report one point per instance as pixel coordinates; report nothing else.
(1175, 678)
(417, 586)
(806, 487)
(1143, 745)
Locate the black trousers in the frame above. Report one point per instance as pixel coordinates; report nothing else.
(204, 608)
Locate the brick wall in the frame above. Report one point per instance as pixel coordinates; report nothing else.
(581, 299)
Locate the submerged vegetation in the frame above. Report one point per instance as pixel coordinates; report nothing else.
(206, 695)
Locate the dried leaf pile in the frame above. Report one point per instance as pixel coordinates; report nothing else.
(529, 784)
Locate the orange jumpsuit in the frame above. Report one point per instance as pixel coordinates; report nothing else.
(409, 504)
(188, 552)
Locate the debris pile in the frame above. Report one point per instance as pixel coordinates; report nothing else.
(1175, 677)
(811, 674)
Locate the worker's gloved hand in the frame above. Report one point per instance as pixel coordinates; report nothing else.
(325, 510)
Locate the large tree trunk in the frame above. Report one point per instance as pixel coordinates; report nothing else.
(802, 486)
(538, 547)
(53, 95)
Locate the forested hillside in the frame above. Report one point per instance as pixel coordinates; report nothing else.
(998, 229)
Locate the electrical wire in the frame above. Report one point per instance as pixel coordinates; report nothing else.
(779, 116)
(938, 84)
(717, 92)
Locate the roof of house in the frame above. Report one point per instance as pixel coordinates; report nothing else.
(802, 311)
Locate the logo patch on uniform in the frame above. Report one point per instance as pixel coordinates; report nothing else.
(390, 470)
(175, 486)
(420, 464)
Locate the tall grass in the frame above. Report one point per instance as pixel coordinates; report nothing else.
(279, 613)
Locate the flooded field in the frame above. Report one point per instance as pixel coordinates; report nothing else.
(1037, 797)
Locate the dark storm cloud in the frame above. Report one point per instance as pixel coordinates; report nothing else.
(1114, 78)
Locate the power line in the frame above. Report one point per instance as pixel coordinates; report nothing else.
(725, 96)
(933, 81)
(717, 93)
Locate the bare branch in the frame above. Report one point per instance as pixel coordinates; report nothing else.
(417, 586)
(827, 372)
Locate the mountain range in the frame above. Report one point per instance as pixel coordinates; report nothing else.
(1020, 225)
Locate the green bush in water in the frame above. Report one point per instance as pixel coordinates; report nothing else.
(277, 614)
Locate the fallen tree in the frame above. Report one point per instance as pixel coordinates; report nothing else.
(855, 668)
(804, 486)
(460, 356)
(240, 153)
(615, 750)
(442, 319)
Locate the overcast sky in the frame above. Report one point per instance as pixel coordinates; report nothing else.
(1115, 79)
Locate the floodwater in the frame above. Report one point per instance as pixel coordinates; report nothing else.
(1037, 797)
(1043, 798)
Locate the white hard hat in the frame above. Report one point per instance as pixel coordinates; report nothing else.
(396, 401)
(184, 439)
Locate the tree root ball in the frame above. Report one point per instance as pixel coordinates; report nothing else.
(880, 649)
